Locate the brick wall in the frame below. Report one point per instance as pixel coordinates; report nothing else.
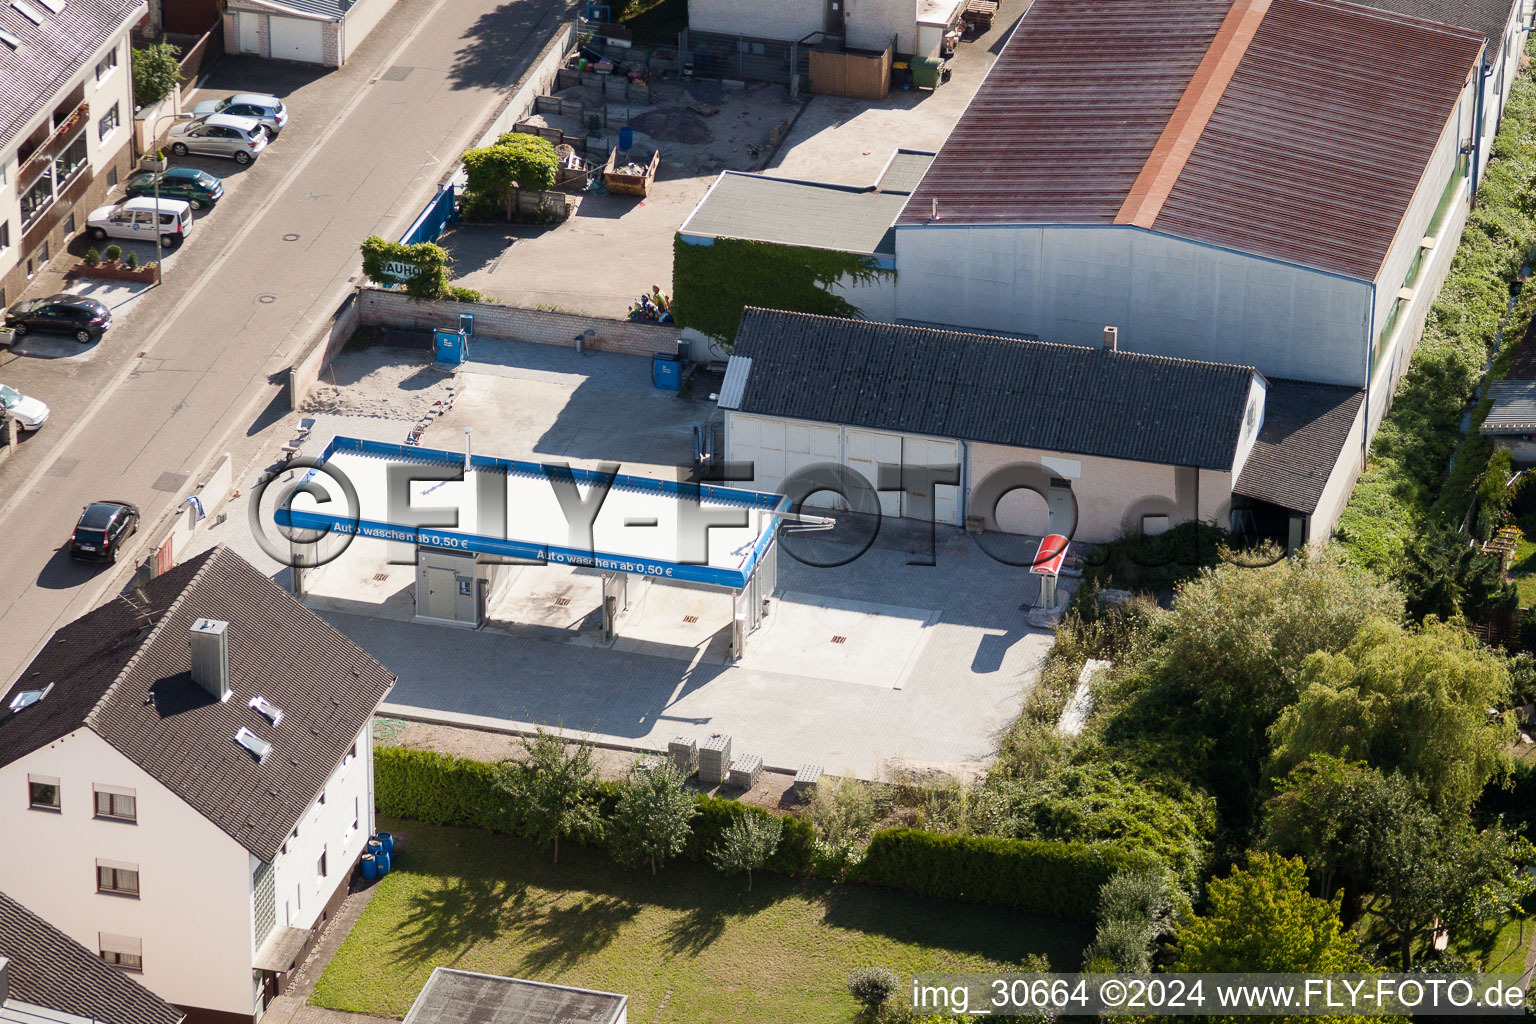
(385, 308)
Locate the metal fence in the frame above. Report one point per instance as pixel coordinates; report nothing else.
(744, 58)
(440, 211)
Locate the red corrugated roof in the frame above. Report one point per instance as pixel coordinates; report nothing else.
(1310, 155)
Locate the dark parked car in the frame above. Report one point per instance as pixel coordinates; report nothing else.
(84, 318)
(102, 528)
(199, 188)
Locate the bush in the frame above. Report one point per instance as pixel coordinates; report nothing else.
(132, 262)
(796, 853)
(92, 258)
(114, 253)
(844, 811)
(517, 161)
(872, 987)
(1054, 879)
(453, 293)
(440, 789)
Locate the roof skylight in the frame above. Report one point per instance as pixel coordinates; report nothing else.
(254, 745)
(56, 6)
(271, 712)
(26, 698)
(32, 13)
(9, 40)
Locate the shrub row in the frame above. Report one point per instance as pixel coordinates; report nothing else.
(1396, 495)
(1054, 879)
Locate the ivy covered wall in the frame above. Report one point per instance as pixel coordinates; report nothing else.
(711, 284)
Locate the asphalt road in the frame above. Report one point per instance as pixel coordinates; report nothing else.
(197, 363)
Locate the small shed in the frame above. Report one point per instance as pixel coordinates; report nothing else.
(465, 997)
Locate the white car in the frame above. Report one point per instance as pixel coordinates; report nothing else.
(241, 139)
(135, 218)
(269, 110)
(29, 412)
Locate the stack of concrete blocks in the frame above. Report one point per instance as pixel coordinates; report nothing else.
(684, 755)
(806, 779)
(745, 770)
(715, 759)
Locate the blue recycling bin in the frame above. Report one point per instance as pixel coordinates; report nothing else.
(451, 347)
(666, 371)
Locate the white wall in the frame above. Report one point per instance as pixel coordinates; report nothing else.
(775, 19)
(301, 893)
(870, 24)
(1330, 504)
(360, 21)
(193, 913)
(875, 299)
(1168, 296)
(1253, 422)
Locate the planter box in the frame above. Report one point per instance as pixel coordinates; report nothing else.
(149, 163)
(115, 272)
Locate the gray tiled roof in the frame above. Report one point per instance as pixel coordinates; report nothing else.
(50, 53)
(331, 10)
(1490, 17)
(1305, 428)
(124, 673)
(760, 208)
(48, 968)
(1008, 391)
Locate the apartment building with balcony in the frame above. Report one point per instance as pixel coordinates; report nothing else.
(186, 783)
(66, 120)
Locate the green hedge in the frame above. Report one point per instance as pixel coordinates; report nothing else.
(796, 854)
(1404, 487)
(1053, 879)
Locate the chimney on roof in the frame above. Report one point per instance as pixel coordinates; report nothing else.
(5, 979)
(210, 656)
(1111, 339)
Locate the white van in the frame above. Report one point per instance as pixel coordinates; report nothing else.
(135, 218)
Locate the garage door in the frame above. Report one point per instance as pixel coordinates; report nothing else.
(867, 452)
(927, 451)
(296, 39)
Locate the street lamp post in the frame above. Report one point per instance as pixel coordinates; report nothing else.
(159, 235)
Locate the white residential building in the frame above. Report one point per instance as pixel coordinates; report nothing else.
(186, 783)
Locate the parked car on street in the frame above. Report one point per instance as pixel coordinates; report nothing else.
(29, 413)
(84, 318)
(102, 528)
(136, 218)
(269, 110)
(240, 139)
(196, 188)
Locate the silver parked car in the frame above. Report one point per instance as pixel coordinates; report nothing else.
(241, 139)
(269, 110)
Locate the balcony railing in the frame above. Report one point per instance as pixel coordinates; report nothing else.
(56, 142)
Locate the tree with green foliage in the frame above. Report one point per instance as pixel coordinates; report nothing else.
(429, 261)
(1196, 691)
(1433, 568)
(1136, 909)
(554, 785)
(516, 160)
(1416, 701)
(156, 71)
(653, 817)
(747, 844)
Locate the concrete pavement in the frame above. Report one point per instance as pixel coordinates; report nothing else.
(198, 362)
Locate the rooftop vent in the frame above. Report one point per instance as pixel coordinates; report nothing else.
(26, 698)
(271, 712)
(210, 656)
(255, 745)
(32, 13)
(1111, 339)
(9, 40)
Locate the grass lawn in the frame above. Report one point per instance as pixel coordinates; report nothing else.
(686, 946)
(1501, 949)
(1523, 572)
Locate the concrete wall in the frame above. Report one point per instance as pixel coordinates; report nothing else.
(876, 299)
(870, 24)
(538, 80)
(360, 21)
(301, 892)
(777, 19)
(394, 309)
(1168, 296)
(193, 912)
(1340, 483)
(1108, 492)
(328, 340)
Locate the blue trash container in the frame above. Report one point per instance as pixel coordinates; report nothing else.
(370, 867)
(382, 860)
(626, 139)
(666, 371)
(387, 840)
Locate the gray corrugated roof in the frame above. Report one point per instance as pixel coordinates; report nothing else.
(1513, 410)
(904, 170)
(1305, 428)
(50, 53)
(48, 968)
(1490, 17)
(760, 208)
(452, 996)
(107, 664)
(1008, 391)
(331, 10)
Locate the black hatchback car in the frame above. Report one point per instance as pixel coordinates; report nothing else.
(84, 318)
(102, 528)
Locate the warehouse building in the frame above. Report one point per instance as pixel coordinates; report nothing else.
(1266, 183)
(1041, 438)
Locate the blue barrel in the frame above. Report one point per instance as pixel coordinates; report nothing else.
(666, 371)
(382, 861)
(626, 139)
(387, 840)
(370, 867)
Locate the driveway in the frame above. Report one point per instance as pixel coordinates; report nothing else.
(196, 364)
